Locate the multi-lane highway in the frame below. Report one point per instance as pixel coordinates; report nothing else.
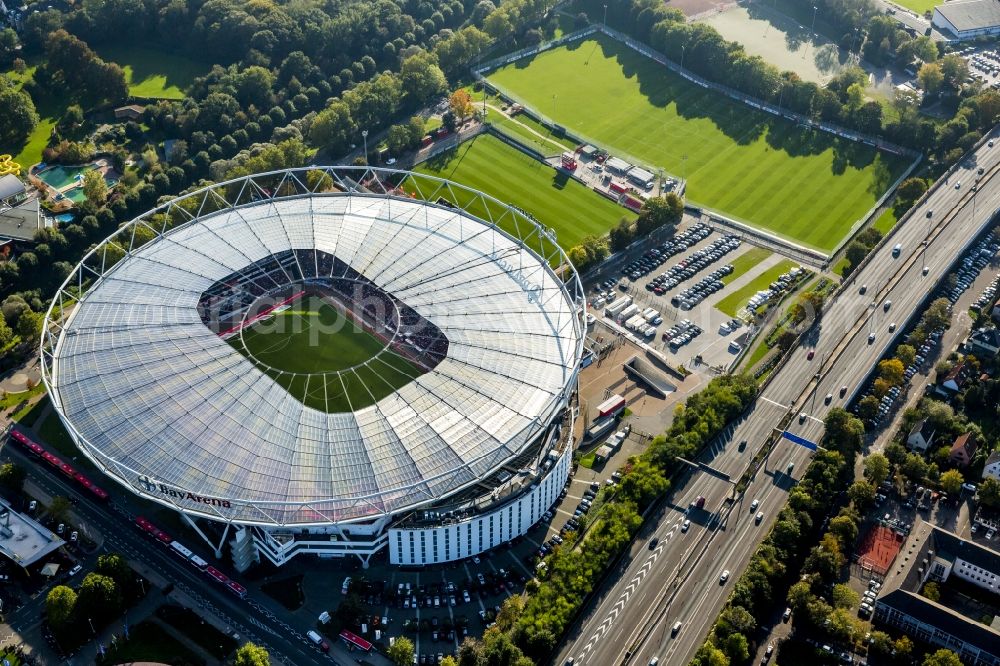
(631, 618)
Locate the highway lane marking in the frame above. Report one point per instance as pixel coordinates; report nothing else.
(627, 592)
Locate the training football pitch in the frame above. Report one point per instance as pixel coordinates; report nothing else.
(320, 357)
(487, 164)
(807, 186)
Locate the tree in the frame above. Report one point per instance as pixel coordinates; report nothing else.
(401, 651)
(914, 467)
(29, 326)
(911, 189)
(422, 77)
(876, 468)
(930, 77)
(19, 117)
(845, 529)
(59, 605)
(942, 657)
(951, 481)
(643, 483)
(862, 493)
(903, 647)
(398, 139)
(12, 477)
(622, 234)
(786, 339)
(954, 70)
(333, 128)
(95, 188)
(99, 596)
(931, 591)
(843, 596)
(251, 654)
(937, 315)
(73, 117)
(460, 104)
(115, 567)
(737, 648)
(892, 370)
(906, 354)
(659, 212)
(844, 432)
(254, 86)
(868, 407)
(989, 492)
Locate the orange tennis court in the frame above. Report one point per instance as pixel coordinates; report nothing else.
(879, 548)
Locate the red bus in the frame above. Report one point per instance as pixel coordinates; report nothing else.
(237, 589)
(217, 575)
(354, 640)
(59, 464)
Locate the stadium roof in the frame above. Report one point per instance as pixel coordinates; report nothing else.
(971, 14)
(167, 407)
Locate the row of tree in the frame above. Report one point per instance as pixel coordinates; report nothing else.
(102, 596)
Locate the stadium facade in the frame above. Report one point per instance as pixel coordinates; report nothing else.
(468, 452)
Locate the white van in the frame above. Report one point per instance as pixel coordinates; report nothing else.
(676, 628)
(317, 640)
(897, 249)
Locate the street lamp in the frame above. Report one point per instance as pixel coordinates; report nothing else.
(682, 56)
(364, 135)
(813, 29)
(605, 17)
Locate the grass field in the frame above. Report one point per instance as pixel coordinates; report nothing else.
(745, 262)
(527, 131)
(154, 73)
(731, 304)
(919, 6)
(807, 186)
(886, 221)
(314, 352)
(487, 164)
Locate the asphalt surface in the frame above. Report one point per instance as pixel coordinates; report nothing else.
(631, 617)
(256, 619)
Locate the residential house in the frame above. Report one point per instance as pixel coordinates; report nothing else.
(963, 450)
(985, 342)
(953, 382)
(129, 112)
(921, 436)
(992, 468)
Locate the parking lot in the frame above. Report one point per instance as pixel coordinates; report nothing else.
(438, 606)
(984, 65)
(674, 286)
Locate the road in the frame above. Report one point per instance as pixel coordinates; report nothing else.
(255, 619)
(679, 580)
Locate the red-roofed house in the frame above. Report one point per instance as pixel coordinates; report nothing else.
(963, 450)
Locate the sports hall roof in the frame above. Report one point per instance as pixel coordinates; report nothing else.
(170, 409)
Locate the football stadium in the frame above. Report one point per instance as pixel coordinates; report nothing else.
(333, 361)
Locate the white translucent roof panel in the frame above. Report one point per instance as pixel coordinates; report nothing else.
(151, 391)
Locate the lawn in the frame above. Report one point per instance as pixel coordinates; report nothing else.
(190, 624)
(919, 6)
(731, 304)
(313, 352)
(154, 73)
(520, 128)
(807, 186)
(745, 262)
(149, 642)
(886, 221)
(557, 201)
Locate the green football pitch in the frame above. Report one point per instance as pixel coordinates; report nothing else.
(322, 359)
(487, 164)
(805, 185)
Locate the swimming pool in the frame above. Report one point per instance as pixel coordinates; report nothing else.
(60, 176)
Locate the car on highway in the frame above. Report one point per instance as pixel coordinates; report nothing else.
(863, 289)
(754, 504)
(674, 629)
(871, 338)
(802, 417)
(767, 654)
(892, 327)
(653, 542)
(685, 525)
(843, 390)
(958, 185)
(886, 306)
(809, 356)
(759, 517)
(897, 249)
(743, 444)
(724, 576)
(828, 399)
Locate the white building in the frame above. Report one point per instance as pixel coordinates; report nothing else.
(991, 470)
(967, 19)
